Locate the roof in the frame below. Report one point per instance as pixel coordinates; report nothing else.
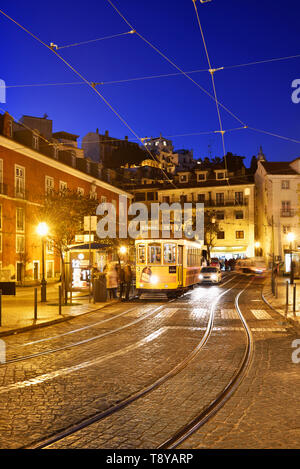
(280, 167)
(65, 135)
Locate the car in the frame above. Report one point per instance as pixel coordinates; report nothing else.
(210, 275)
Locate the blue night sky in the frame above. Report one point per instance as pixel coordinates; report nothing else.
(236, 32)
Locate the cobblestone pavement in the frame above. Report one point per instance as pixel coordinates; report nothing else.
(46, 393)
(136, 344)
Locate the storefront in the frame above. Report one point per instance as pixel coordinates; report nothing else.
(229, 252)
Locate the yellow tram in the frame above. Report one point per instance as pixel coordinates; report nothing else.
(167, 265)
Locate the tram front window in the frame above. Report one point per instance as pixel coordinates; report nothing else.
(169, 253)
(141, 254)
(154, 254)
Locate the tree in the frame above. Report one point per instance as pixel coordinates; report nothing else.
(64, 213)
(211, 229)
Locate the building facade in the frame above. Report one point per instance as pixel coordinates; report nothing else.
(30, 168)
(278, 212)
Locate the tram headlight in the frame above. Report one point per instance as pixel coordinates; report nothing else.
(214, 277)
(154, 279)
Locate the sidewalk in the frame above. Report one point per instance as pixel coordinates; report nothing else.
(278, 301)
(18, 311)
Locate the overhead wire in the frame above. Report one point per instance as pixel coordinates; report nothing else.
(94, 40)
(52, 49)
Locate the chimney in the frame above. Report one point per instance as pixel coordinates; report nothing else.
(106, 133)
(126, 137)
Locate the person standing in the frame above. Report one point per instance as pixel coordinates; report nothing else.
(112, 281)
(121, 280)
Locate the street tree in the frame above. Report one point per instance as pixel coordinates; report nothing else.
(64, 213)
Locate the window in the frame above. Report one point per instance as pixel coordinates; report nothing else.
(220, 198)
(20, 243)
(169, 253)
(220, 175)
(154, 254)
(19, 181)
(221, 235)
(151, 196)
(239, 198)
(239, 235)
(50, 246)
(140, 196)
(239, 215)
(201, 176)
(286, 229)
(35, 142)
(141, 254)
(20, 219)
(285, 184)
(183, 178)
(220, 215)
(201, 198)
(166, 199)
(49, 269)
(49, 185)
(80, 191)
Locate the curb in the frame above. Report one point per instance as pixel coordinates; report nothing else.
(291, 321)
(52, 322)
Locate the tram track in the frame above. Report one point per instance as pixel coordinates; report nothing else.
(90, 339)
(209, 411)
(141, 393)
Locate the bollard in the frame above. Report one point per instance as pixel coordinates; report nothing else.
(59, 300)
(287, 299)
(35, 303)
(294, 300)
(0, 308)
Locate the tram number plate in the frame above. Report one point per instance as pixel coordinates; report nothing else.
(172, 269)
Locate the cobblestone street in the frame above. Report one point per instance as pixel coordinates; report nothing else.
(146, 374)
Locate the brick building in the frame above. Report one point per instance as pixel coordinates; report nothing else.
(31, 165)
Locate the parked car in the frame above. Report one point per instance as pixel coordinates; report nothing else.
(210, 275)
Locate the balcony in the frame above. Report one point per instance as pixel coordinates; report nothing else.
(287, 213)
(225, 203)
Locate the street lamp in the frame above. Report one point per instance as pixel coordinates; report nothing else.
(257, 247)
(123, 250)
(42, 231)
(291, 239)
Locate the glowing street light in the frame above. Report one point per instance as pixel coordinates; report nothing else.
(123, 250)
(42, 230)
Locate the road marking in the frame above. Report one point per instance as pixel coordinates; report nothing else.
(260, 314)
(198, 312)
(167, 312)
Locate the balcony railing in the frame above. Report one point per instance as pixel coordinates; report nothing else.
(225, 203)
(287, 213)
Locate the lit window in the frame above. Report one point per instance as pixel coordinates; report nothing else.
(154, 254)
(169, 253)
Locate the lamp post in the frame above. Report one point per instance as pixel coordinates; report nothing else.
(42, 231)
(257, 247)
(291, 239)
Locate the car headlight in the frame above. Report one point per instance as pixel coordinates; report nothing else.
(154, 279)
(214, 277)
